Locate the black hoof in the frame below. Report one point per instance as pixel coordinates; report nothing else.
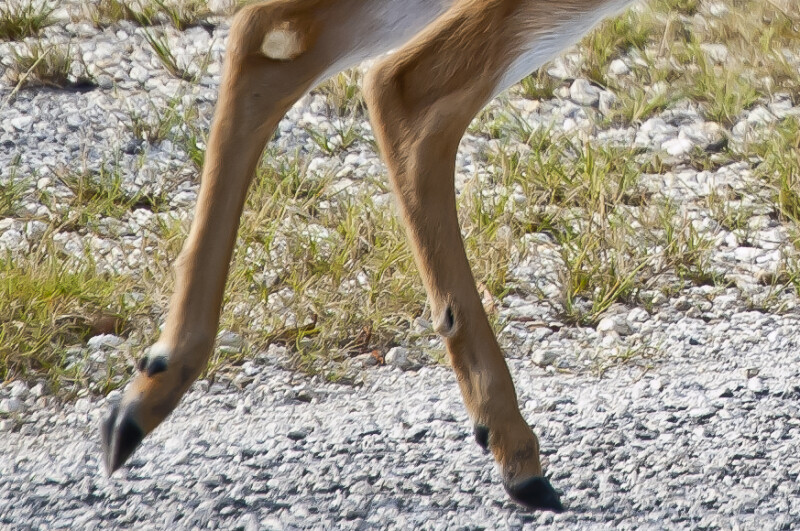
(120, 436)
(481, 436)
(152, 366)
(536, 493)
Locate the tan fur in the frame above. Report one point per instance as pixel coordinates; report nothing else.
(421, 100)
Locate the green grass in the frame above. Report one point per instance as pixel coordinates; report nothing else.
(160, 45)
(614, 37)
(11, 193)
(343, 93)
(41, 65)
(48, 303)
(539, 85)
(181, 14)
(101, 195)
(20, 19)
(108, 12)
(316, 278)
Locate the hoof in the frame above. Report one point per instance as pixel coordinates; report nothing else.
(536, 493)
(120, 436)
(152, 365)
(481, 436)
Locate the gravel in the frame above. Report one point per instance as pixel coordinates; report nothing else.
(656, 445)
(681, 414)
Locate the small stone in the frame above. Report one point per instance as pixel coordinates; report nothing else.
(10, 405)
(746, 254)
(105, 341)
(242, 380)
(22, 123)
(677, 147)
(638, 315)
(248, 522)
(133, 146)
(398, 357)
(584, 93)
(756, 385)
(139, 74)
(682, 304)
(19, 390)
(297, 435)
(608, 102)
(422, 325)
(751, 372)
(658, 299)
(618, 67)
(760, 116)
(614, 324)
(83, 405)
(701, 413)
(718, 9)
(722, 392)
(230, 341)
(105, 81)
(366, 360)
(715, 51)
(543, 358)
(173, 444)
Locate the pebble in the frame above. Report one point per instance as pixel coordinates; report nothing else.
(10, 405)
(22, 123)
(618, 67)
(584, 93)
(398, 357)
(543, 358)
(756, 385)
(105, 341)
(230, 341)
(616, 324)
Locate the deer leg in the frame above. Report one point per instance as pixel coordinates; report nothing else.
(276, 51)
(421, 99)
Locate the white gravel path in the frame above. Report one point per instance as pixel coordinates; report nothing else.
(706, 438)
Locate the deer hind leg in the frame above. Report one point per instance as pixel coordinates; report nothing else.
(276, 51)
(421, 99)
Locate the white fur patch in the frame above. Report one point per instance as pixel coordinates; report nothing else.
(282, 44)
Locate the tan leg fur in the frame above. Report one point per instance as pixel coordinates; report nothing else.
(454, 56)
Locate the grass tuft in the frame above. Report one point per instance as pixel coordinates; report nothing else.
(19, 19)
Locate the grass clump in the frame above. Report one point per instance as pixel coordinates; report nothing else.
(780, 170)
(160, 45)
(328, 274)
(48, 303)
(182, 14)
(19, 20)
(106, 13)
(174, 121)
(100, 195)
(11, 194)
(44, 66)
(343, 93)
